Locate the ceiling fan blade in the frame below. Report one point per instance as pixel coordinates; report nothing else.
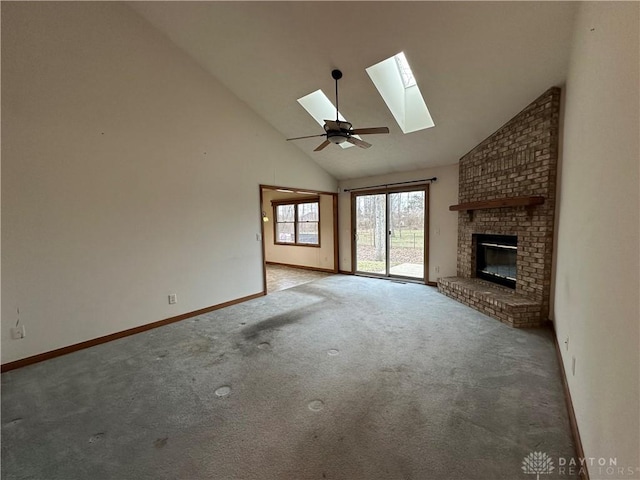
(321, 146)
(358, 142)
(369, 131)
(308, 136)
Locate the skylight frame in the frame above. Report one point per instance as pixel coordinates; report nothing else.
(404, 68)
(394, 80)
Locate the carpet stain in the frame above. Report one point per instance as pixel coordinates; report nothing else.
(200, 346)
(264, 346)
(333, 352)
(96, 438)
(275, 322)
(160, 442)
(395, 369)
(219, 359)
(223, 391)
(289, 317)
(316, 405)
(13, 422)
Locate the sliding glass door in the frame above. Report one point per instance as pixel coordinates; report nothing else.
(371, 237)
(406, 234)
(389, 233)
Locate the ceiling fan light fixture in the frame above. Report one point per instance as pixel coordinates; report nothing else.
(337, 139)
(318, 105)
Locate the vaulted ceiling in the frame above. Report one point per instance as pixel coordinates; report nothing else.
(476, 63)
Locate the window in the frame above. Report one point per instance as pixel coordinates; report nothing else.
(297, 222)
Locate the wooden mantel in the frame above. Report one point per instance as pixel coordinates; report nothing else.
(469, 207)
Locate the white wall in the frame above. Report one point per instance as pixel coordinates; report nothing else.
(596, 285)
(443, 224)
(314, 257)
(129, 173)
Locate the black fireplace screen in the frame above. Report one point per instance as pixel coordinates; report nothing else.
(496, 257)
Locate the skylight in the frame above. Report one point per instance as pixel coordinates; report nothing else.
(320, 108)
(396, 84)
(405, 70)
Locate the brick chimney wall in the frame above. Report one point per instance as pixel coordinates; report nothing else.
(520, 159)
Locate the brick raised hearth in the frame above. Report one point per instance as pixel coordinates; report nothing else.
(515, 167)
(498, 302)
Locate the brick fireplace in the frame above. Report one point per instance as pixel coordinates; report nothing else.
(507, 188)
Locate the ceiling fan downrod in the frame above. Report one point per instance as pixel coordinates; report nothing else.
(337, 75)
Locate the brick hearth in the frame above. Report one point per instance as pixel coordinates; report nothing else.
(518, 160)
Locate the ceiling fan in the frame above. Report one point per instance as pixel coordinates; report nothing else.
(338, 131)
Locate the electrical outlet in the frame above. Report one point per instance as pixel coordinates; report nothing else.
(438, 269)
(18, 332)
(258, 237)
(573, 366)
(173, 298)
(566, 344)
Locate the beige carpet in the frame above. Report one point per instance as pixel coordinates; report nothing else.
(342, 378)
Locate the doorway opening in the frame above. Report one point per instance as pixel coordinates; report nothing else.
(299, 235)
(390, 232)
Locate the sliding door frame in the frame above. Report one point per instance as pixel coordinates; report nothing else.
(387, 191)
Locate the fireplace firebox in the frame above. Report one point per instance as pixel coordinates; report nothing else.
(496, 259)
